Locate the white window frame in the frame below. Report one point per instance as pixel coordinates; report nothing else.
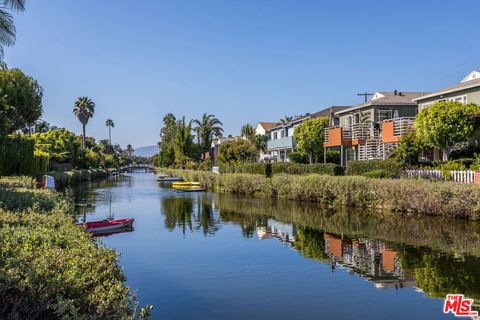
(461, 99)
(389, 115)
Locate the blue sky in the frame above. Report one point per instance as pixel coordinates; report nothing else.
(244, 61)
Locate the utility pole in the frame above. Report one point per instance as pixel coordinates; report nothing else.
(365, 94)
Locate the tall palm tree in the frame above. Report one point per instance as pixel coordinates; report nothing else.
(182, 142)
(248, 132)
(109, 123)
(286, 120)
(207, 128)
(84, 108)
(130, 150)
(7, 27)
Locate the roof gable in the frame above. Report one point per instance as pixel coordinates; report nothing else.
(474, 75)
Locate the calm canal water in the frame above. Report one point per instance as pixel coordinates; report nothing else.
(215, 256)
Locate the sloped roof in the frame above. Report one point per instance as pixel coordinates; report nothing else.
(268, 125)
(383, 98)
(327, 111)
(456, 87)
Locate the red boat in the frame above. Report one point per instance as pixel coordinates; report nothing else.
(107, 225)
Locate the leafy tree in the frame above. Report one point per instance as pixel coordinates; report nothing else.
(84, 109)
(20, 100)
(109, 123)
(7, 27)
(248, 132)
(260, 142)
(207, 128)
(236, 152)
(166, 156)
(309, 137)
(407, 152)
(446, 123)
(130, 150)
(61, 145)
(183, 141)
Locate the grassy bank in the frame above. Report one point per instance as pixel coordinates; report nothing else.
(49, 267)
(67, 178)
(446, 199)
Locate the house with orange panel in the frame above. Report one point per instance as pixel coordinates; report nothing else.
(372, 130)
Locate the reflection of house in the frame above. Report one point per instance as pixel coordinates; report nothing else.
(275, 229)
(372, 260)
(371, 130)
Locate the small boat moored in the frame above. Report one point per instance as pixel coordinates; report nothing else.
(190, 189)
(107, 225)
(185, 184)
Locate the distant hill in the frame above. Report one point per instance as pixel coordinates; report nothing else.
(147, 151)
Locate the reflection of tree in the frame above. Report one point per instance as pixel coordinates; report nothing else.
(205, 219)
(248, 223)
(178, 212)
(438, 273)
(311, 243)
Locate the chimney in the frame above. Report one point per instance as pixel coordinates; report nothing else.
(395, 92)
(400, 93)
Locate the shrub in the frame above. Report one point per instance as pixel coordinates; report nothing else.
(422, 197)
(298, 157)
(205, 165)
(49, 267)
(358, 168)
(40, 162)
(16, 155)
(285, 167)
(376, 174)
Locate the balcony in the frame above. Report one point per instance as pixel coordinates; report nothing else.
(362, 132)
(337, 136)
(394, 129)
(282, 143)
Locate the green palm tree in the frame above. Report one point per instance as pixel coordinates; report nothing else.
(7, 27)
(248, 132)
(183, 141)
(286, 120)
(109, 123)
(207, 128)
(130, 150)
(84, 108)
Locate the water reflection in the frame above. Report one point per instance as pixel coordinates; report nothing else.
(396, 262)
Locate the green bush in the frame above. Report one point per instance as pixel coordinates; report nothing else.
(358, 168)
(285, 167)
(376, 174)
(298, 157)
(447, 199)
(49, 267)
(40, 162)
(16, 155)
(205, 165)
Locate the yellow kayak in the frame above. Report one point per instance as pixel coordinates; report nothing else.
(185, 184)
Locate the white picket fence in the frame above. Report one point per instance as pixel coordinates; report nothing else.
(460, 176)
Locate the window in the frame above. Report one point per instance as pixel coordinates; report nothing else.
(395, 114)
(461, 99)
(384, 115)
(349, 120)
(282, 133)
(274, 135)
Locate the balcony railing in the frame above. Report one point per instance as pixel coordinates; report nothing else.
(337, 136)
(282, 143)
(393, 129)
(364, 131)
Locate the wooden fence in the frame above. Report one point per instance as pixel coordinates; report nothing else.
(460, 176)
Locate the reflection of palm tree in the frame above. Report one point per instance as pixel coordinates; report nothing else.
(178, 212)
(205, 216)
